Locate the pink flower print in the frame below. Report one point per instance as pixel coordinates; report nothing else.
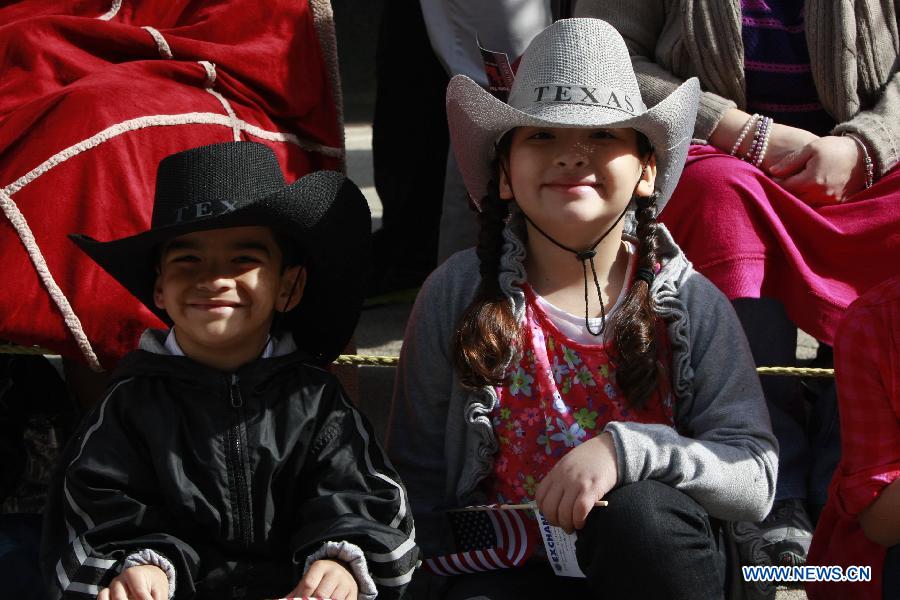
(559, 370)
(571, 435)
(585, 377)
(520, 431)
(531, 416)
(543, 438)
(538, 458)
(586, 418)
(502, 464)
(529, 484)
(558, 404)
(517, 448)
(520, 381)
(519, 489)
(610, 390)
(570, 356)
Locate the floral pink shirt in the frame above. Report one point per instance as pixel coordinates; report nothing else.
(557, 394)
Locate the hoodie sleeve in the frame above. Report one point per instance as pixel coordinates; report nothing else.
(723, 453)
(356, 510)
(102, 514)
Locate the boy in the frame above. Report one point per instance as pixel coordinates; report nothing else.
(221, 463)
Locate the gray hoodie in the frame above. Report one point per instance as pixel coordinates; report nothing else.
(721, 452)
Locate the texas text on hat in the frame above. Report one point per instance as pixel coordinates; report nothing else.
(575, 73)
(588, 95)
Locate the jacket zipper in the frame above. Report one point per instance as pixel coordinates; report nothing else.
(238, 453)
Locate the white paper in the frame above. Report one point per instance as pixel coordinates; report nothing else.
(560, 548)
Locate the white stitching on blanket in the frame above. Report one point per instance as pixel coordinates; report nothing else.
(161, 44)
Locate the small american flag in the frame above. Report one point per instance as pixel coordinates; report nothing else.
(487, 538)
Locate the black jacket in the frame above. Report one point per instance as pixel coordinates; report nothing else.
(234, 478)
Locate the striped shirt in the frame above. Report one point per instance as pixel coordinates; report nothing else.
(777, 66)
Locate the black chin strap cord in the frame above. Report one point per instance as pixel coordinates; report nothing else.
(584, 256)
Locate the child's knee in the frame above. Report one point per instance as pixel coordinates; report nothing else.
(645, 514)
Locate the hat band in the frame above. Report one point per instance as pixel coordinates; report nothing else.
(533, 96)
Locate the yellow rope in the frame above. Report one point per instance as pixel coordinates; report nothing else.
(391, 361)
(361, 360)
(795, 371)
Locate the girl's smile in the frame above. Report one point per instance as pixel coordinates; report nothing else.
(574, 182)
(573, 186)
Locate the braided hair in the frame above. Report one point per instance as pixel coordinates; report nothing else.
(638, 371)
(488, 329)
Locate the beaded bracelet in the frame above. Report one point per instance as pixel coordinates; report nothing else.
(867, 160)
(744, 132)
(750, 154)
(764, 145)
(760, 138)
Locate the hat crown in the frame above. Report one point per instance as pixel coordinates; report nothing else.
(580, 62)
(213, 180)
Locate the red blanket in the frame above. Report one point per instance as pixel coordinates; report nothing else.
(92, 95)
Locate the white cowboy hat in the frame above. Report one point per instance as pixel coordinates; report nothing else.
(575, 73)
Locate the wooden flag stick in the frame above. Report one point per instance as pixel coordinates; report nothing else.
(511, 506)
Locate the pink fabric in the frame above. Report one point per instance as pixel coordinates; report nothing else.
(867, 370)
(752, 238)
(557, 394)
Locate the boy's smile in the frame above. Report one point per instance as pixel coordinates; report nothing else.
(221, 288)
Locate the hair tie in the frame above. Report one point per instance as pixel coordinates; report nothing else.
(646, 275)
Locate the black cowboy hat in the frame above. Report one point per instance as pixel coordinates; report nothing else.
(240, 183)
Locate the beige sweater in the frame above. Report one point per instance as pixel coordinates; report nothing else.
(854, 48)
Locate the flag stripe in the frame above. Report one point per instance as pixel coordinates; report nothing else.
(478, 551)
(522, 545)
(508, 541)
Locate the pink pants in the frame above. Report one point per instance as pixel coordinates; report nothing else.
(754, 239)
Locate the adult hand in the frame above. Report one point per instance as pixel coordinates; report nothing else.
(584, 475)
(143, 582)
(784, 141)
(326, 579)
(825, 171)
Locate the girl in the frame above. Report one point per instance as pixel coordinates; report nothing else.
(588, 360)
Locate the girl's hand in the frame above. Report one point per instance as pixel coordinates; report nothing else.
(584, 475)
(826, 171)
(326, 579)
(144, 582)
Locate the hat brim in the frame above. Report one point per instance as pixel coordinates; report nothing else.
(478, 119)
(327, 216)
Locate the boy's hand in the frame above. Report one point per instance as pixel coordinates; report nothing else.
(326, 579)
(584, 475)
(144, 582)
